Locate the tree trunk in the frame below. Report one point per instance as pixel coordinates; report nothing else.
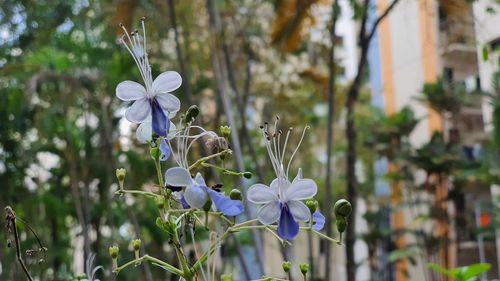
(220, 74)
(327, 201)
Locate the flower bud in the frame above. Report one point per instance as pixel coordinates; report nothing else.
(225, 131)
(341, 224)
(136, 244)
(312, 204)
(342, 208)
(155, 153)
(113, 251)
(226, 277)
(121, 173)
(235, 194)
(247, 175)
(304, 268)
(287, 265)
(192, 113)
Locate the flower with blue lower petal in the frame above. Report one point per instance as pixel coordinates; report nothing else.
(154, 99)
(282, 200)
(196, 192)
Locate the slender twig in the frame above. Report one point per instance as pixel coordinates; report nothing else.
(149, 258)
(11, 226)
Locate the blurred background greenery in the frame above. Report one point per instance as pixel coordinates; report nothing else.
(62, 134)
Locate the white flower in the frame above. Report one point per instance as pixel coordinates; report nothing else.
(154, 98)
(282, 200)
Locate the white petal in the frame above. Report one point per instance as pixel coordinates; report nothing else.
(195, 196)
(269, 213)
(178, 176)
(172, 114)
(167, 82)
(171, 133)
(130, 90)
(280, 184)
(144, 132)
(299, 176)
(138, 111)
(199, 180)
(168, 102)
(301, 189)
(299, 210)
(261, 194)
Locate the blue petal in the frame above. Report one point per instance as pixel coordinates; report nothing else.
(319, 220)
(165, 150)
(225, 204)
(184, 204)
(161, 123)
(288, 228)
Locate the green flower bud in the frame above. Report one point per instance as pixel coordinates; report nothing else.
(207, 205)
(225, 131)
(155, 153)
(120, 174)
(342, 208)
(226, 277)
(247, 175)
(304, 268)
(113, 252)
(136, 244)
(192, 113)
(312, 204)
(341, 224)
(235, 194)
(287, 265)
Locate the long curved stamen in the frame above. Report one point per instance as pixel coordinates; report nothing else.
(145, 52)
(267, 141)
(296, 149)
(137, 50)
(286, 142)
(124, 43)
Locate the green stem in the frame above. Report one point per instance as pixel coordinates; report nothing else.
(171, 268)
(158, 173)
(206, 158)
(137, 192)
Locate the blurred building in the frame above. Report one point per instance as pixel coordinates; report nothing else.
(421, 42)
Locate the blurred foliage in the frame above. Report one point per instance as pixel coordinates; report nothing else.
(62, 135)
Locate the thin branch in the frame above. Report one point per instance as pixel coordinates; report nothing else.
(380, 18)
(11, 226)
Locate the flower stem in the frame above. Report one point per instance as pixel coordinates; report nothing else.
(206, 158)
(138, 192)
(169, 267)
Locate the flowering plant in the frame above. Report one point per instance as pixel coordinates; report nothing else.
(185, 198)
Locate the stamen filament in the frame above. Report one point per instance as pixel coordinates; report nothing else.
(296, 149)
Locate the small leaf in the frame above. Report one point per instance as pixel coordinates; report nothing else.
(486, 53)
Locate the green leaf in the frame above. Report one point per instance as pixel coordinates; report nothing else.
(474, 270)
(486, 53)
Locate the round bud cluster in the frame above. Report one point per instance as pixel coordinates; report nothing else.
(304, 268)
(225, 131)
(287, 266)
(312, 205)
(113, 252)
(247, 175)
(235, 194)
